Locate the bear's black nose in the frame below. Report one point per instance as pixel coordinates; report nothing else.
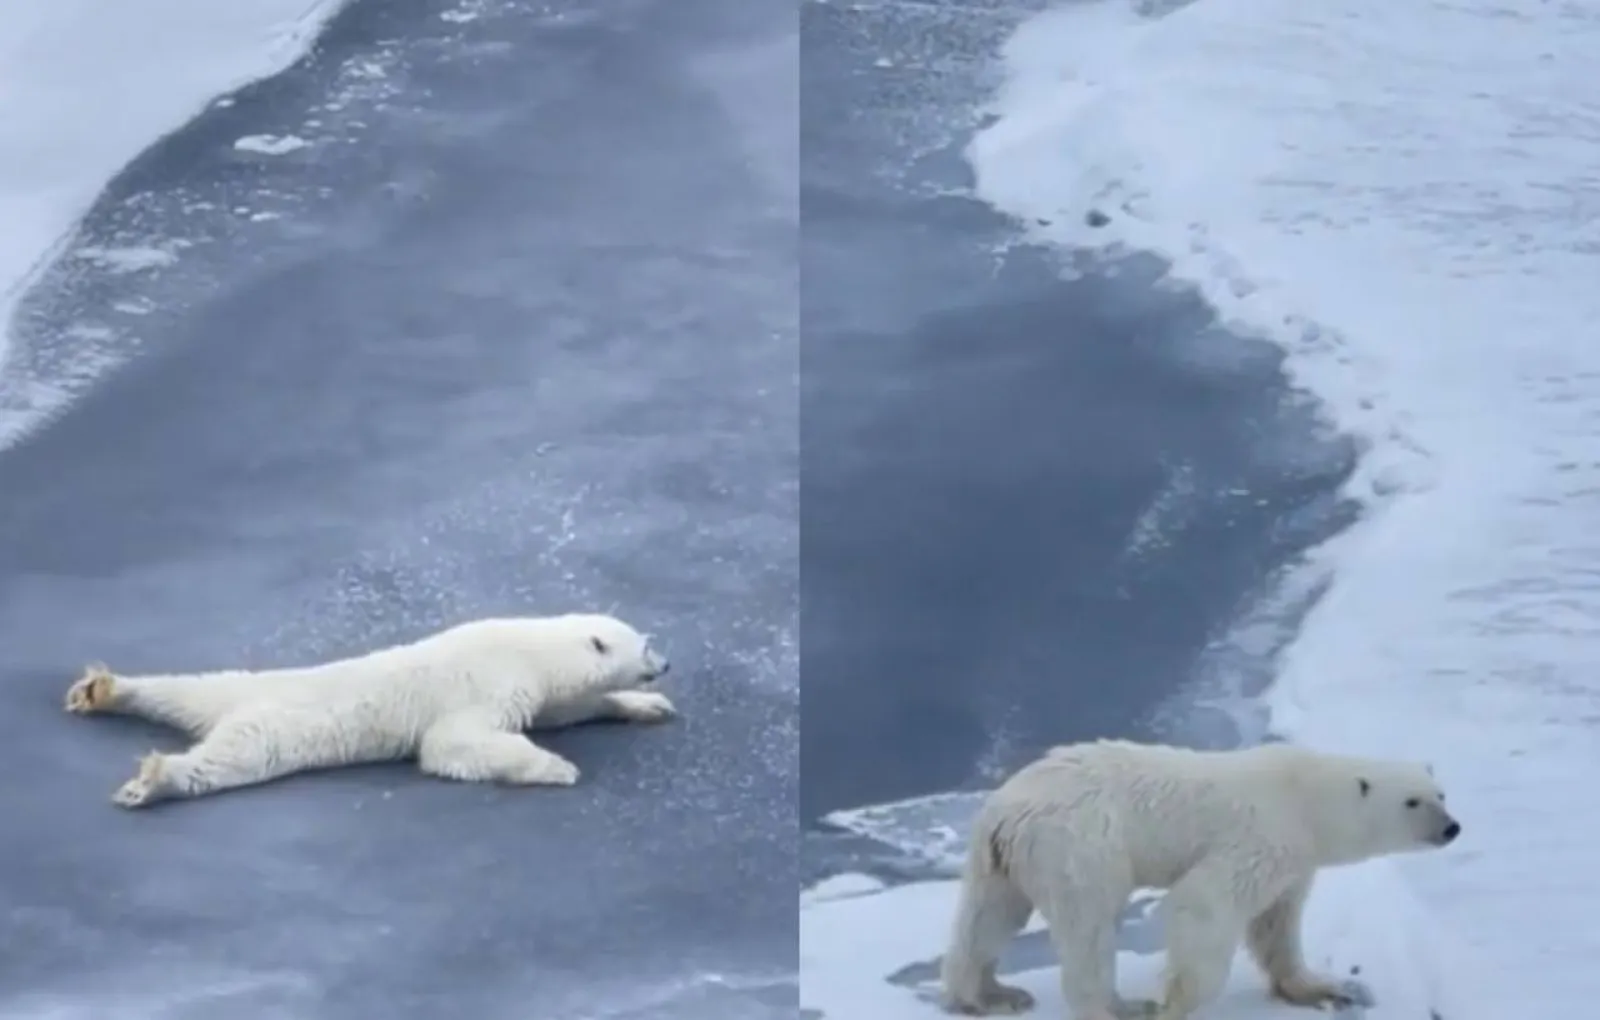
(1451, 831)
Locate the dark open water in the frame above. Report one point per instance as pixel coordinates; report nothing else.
(515, 332)
(1031, 506)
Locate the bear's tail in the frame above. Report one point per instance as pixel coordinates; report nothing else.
(991, 910)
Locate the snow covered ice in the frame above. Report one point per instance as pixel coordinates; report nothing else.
(82, 103)
(1404, 196)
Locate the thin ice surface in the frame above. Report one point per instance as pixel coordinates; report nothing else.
(1405, 196)
(517, 337)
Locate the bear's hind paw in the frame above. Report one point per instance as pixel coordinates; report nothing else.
(92, 692)
(146, 787)
(1007, 1000)
(995, 1000)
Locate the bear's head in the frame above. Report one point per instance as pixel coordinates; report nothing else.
(616, 657)
(1401, 809)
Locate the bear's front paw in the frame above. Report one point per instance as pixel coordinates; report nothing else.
(145, 787)
(561, 773)
(643, 706)
(546, 770)
(93, 691)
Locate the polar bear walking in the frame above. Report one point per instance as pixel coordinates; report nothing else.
(458, 701)
(1236, 838)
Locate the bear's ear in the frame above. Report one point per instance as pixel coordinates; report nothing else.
(599, 646)
(1366, 787)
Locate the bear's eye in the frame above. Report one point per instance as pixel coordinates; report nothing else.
(600, 646)
(1413, 803)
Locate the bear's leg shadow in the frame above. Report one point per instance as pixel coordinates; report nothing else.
(470, 747)
(1203, 933)
(247, 747)
(991, 912)
(1274, 941)
(190, 702)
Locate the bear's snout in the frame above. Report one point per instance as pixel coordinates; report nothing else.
(656, 665)
(1448, 834)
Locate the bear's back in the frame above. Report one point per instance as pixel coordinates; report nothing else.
(1162, 808)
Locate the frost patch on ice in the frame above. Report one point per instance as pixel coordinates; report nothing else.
(147, 997)
(839, 887)
(1165, 519)
(1222, 705)
(366, 69)
(86, 331)
(932, 830)
(714, 994)
(126, 260)
(270, 145)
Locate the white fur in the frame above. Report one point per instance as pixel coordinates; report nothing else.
(1236, 838)
(457, 701)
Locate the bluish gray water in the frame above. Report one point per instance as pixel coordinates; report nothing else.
(516, 332)
(1031, 504)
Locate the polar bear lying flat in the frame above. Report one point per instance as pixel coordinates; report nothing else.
(1236, 838)
(457, 701)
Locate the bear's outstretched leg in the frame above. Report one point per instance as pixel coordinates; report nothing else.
(1202, 936)
(190, 702)
(622, 706)
(1274, 941)
(991, 912)
(471, 748)
(243, 749)
(638, 706)
(195, 773)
